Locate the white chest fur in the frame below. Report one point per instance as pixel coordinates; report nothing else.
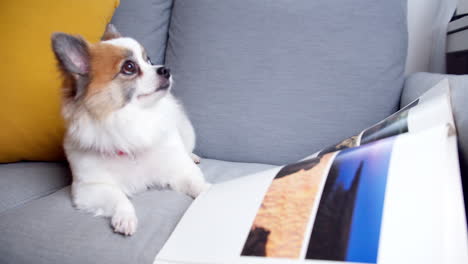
(157, 141)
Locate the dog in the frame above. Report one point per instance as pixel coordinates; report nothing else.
(125, 132)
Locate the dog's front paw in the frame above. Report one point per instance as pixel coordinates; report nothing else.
(197, 188)
(190, 186)
(195, 158)
(124, 222)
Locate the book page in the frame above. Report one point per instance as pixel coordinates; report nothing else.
(394, 199)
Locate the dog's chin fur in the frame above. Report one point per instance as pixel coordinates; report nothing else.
(131, 129)
(123, 135)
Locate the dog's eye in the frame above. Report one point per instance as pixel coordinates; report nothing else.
(129, 68)
(148, 59)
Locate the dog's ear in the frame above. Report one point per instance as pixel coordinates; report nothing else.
(110, 33)
(72, 53)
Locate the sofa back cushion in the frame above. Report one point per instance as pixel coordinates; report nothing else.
(272, 81)
(147, 21)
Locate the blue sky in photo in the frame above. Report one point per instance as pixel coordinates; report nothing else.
(367, 215)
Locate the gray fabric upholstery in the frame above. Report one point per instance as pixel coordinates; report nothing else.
(24, 181)
(49, 230)
(418, 83)
(271, 82)
(147, 21)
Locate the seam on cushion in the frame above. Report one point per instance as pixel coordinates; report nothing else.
(33, 198)
(167, 36)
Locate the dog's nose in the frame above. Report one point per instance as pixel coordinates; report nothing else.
(164, 72)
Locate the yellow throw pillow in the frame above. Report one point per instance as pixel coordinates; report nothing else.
(31, 127)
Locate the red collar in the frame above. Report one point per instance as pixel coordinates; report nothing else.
(121, 153)
(117, 153)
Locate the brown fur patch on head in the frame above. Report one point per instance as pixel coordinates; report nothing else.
(104, 94)
(105, 65)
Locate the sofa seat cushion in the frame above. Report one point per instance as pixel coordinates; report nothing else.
(50, 230)
(25, 181)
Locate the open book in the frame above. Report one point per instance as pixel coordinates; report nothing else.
(391, 194)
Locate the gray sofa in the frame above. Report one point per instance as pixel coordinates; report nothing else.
(264, 82)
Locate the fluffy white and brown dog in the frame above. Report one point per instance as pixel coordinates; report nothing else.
(125, 131)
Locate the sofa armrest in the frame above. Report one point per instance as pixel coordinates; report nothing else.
(416, 84)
